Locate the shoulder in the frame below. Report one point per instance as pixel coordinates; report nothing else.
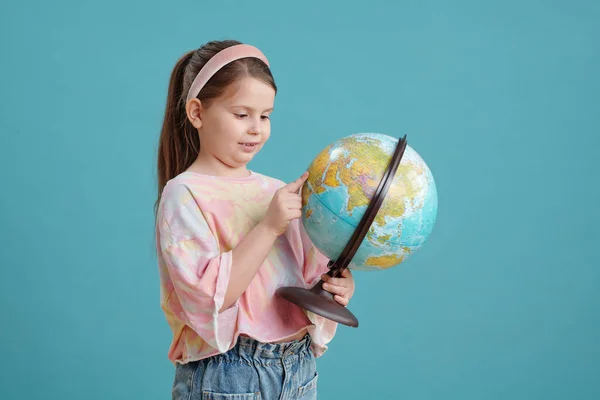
(193, 187)
(180, 216)
(184, 197)
(177, 193)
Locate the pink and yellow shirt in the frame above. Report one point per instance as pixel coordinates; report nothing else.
(200, 221)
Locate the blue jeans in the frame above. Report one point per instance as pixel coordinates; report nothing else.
(251, 370)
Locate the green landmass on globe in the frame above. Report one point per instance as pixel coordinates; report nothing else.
(342, 180)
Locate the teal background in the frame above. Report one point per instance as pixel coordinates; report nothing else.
(500, 98)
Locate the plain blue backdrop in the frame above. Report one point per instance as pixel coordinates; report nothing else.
(501, 99)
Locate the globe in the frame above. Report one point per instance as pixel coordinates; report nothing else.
(342, 181)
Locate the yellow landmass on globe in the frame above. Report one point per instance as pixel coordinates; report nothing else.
(383, 238)
(387, 261)
(384, 261)
(361, 179)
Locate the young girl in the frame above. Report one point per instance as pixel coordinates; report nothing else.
(228, 238)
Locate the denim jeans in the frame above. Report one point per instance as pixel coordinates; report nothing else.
(251, 370)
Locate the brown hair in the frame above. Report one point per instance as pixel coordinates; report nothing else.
(179, 143)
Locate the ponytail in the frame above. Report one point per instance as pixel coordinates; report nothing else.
(179, 143)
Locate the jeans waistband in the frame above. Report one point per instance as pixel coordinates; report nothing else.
(249, 348)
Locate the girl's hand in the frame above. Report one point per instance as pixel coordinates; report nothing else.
(285, 206)
(342, 287)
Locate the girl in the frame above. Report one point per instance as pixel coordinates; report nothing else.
(228, 238)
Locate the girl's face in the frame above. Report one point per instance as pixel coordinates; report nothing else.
(235, 127)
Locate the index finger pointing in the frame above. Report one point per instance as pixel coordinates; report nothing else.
(297, 184)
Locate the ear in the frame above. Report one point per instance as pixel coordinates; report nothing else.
(194, 109)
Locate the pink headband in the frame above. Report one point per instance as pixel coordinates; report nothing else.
(218, 61)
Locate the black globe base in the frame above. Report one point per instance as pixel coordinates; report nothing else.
(320, 302)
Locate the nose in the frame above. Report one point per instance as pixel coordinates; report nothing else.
(255, 127)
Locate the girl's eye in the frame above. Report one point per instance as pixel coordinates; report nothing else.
(265, 117)
(241, 115)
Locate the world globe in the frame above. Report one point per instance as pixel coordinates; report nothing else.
(343, 179)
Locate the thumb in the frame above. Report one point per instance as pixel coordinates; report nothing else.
(293, 187)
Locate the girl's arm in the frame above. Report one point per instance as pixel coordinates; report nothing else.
(247, 258)
(251, 252)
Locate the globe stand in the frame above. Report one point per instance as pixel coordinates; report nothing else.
(317, 299)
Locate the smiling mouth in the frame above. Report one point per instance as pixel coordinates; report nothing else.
(249, 144)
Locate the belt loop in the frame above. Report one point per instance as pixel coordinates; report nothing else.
(238, 348)
(256, 349)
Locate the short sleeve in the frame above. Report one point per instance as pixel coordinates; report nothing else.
(315, 265)
(197, 270)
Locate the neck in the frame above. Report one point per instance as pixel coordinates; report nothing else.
(216, 167)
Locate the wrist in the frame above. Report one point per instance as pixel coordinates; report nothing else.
(266, 231)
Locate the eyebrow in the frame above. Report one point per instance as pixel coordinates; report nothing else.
(250, 108)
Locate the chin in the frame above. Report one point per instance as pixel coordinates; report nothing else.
(240, 163)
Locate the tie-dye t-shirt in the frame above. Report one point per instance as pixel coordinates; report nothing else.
(200, 220)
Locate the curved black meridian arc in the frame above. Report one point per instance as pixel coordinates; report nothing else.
(317, 299)
(337, 266)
